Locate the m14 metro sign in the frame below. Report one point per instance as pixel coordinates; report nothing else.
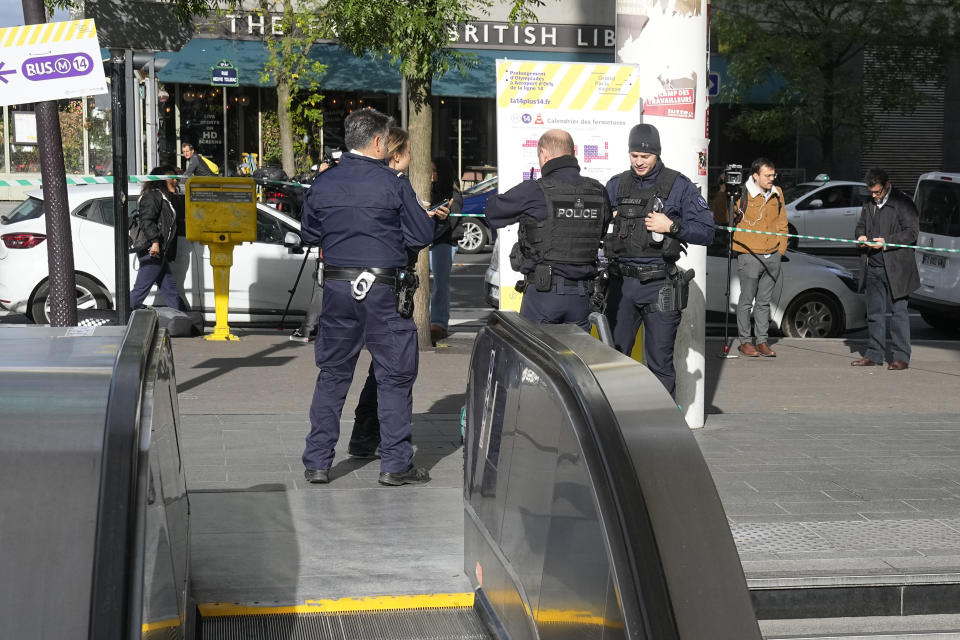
(50, 61)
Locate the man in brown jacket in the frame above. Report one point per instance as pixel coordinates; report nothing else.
(758, 255)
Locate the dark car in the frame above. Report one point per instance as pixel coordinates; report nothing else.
(476, 233)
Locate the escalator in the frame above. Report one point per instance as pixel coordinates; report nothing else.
(589, 512)
(588, 509)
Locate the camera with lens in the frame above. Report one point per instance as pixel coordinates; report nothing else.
(733, 178)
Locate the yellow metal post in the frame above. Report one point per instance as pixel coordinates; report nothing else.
(221, 213)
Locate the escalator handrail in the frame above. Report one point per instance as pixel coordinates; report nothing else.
(643, 592)
(111, 610)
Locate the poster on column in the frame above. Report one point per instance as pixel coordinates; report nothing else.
(596, 103)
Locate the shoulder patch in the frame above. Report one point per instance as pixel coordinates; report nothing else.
(702, 202)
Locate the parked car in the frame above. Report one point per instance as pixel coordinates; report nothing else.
(814, 298)
(476, 234)
(263, 272)
(827, 208)
(938, 202)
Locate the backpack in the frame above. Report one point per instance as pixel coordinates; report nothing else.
(211, 165)
(139, 241)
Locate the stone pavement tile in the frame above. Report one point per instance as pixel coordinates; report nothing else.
(935, 507)
(849, 507)
(737, 509)
(772, 497)
(868, 555)
(772, 520)
(813, 566)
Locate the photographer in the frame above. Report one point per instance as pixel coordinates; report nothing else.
(760, 208)
(367, 220)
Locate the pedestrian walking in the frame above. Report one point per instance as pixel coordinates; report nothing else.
(158, 222)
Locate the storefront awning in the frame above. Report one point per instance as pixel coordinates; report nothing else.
(346, 72)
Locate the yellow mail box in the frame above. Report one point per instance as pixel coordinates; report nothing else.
(221, 210)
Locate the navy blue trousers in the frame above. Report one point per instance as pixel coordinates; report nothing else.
(346, 325)
(626, 311)
(155, 271)
(564, 304)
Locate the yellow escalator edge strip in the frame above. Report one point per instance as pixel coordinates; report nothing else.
(342, 605)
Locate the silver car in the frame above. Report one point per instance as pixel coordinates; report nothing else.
(828, 209)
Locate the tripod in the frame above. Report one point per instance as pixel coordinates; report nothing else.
(732, 220)
(293, 290)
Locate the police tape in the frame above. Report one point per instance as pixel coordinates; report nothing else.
(841, 240)
(36, 182)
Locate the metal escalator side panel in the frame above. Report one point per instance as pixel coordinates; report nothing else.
(52, 390)
(165, 603)
(699, 558)
(612, 564)
(116, 590)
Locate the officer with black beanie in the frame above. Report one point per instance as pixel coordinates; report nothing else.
(657, 212)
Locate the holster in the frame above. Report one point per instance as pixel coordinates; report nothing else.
(406, 285)
(599, 291)
(543, 277)
(673, 296)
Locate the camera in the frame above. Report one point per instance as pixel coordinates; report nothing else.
(331, 156)
(733, 179)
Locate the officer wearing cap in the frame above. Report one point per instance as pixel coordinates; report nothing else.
(657, 212)
(367, 220)
(562, 216)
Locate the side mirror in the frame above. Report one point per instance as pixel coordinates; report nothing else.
(293, 242)
(816, 204)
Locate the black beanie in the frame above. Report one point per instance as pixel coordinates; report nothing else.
(644, 138)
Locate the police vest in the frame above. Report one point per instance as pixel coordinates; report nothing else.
(572, 232)
(630, 238)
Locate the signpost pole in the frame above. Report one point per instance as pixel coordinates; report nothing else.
(118, 127)
(224, 171)
(63, 284)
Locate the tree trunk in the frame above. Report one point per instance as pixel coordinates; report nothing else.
(421, 129)
(286, 128)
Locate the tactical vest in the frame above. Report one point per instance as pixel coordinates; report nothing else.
(572, 232)
(630, 238)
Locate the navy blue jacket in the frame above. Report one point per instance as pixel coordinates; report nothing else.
(364, 214)
(685, 205)
(526, 199)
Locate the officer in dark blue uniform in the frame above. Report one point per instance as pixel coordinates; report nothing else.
(657, 212)
(367, 220)
(563, 217)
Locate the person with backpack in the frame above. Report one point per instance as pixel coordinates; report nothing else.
(761, 208)
(197, 165)
(154, 239)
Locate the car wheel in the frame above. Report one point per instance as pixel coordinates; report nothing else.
(475, 237)
(814, 314)
(90, 295)
(940, 321)
(792, 243)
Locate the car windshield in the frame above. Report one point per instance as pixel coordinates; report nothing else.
(939, 205)
(27, 210)
(797, 191)
(482, 187)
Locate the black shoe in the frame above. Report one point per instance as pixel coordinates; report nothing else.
(317, 476)
(362, 454)
(413, 475)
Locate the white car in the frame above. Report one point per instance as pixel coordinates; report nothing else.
(261, 277)
(938, 202)
(813, 298)
(826, 208)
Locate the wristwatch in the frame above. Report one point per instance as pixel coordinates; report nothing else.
(674, 228)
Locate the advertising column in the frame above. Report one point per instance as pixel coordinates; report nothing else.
(667, 42)
(596, 103)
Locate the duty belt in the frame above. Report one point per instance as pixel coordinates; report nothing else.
(361, 278)
(643, 274)
(383, 276)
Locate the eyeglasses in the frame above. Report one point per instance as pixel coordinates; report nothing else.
(876, 192)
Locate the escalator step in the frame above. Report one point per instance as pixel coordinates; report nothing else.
(405, 624)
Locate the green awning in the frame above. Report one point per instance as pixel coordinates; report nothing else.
(346, 72)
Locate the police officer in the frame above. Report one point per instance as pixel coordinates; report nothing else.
(562, 216)
(657, 212)
(367, 220)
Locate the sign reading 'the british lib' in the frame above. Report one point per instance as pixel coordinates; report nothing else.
(50, 61)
